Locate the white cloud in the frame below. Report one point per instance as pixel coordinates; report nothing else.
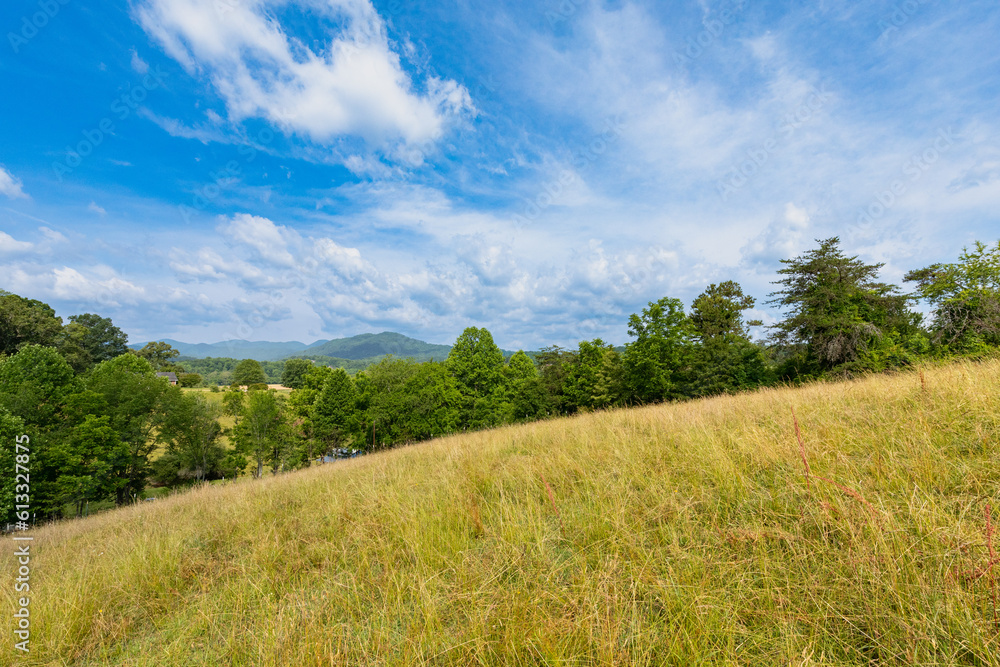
(354, 85)
(94, 208)
(783, 238)
(52, 235)
(268, 239)
(8, 244)
(11, 186)
(138, 64)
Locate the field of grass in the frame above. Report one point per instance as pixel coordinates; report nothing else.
(675, 534)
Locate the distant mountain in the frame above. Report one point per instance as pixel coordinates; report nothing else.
(367, 347)
(364, 346)
(238, 349)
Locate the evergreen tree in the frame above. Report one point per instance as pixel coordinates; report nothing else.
(725, 360)
(838, 311)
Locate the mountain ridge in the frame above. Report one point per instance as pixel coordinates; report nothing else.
(357, 347)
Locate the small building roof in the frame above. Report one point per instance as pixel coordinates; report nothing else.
(170, 376)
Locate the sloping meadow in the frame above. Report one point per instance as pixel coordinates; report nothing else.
(672, 534)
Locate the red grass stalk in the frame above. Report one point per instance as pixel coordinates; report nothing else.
(993, 560)
(802, 448)
(923, 383)
(849, 491)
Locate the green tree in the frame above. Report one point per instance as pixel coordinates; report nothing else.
(26, 321)
(188, 380)
(838, 311)
(334, 414)
(655, 363)
(191, 432)
(478, 365)
(248, 372)
(295, 372)
(718, 311)
(594, 378)
(526, 394)
(100, 339)
(11, 428)
(401, 401)
(160, 355)
(725, 360)
(86, 461)
(965, 297)
(35, 385)
(260, 430)
(553, 366)
(136, 399)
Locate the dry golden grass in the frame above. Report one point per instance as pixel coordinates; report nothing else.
(674, 534)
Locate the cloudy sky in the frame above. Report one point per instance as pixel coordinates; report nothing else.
(303, 169)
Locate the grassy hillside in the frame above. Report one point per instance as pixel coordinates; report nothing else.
(674, 534)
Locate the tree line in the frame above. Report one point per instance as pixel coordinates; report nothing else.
(104, 426)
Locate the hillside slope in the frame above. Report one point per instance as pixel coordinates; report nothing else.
(673, 534)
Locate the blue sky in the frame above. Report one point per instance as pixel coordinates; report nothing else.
(303, 169)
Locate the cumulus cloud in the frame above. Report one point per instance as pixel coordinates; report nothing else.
(354, 85)
(8, 244)
(11, 186)
(266, 238)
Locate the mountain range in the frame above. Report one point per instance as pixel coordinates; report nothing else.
(362, 346)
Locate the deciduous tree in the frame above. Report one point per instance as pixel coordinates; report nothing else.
(965, 297)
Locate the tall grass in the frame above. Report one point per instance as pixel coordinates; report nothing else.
(696, 533)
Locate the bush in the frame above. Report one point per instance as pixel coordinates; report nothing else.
(189, 379)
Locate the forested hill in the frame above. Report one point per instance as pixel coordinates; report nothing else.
(361, 347)
(364, 346)
(237, 349)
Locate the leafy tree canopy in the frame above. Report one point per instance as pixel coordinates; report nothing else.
(476, 362)
(26, 321)
(100, 339)
(654, 361)
(248, 372)
(965, 296)
(293, 376)
(333, 413)
(160, 355)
